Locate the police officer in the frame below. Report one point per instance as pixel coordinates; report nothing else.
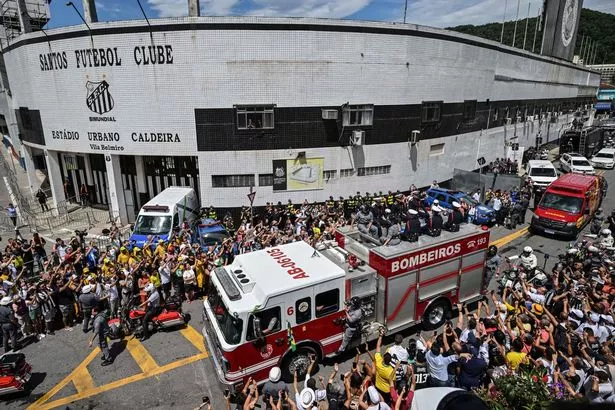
(153, 304)
(212, 214)
(350, 207)
(390, 198)
(7, 323)
(365, 222)
(330, 204)
(367, 199)
(358, 198)
(413, 226)
(354, 314)
(101, 330)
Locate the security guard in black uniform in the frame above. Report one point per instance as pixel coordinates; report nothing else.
(359, 199)
(350, 207)
(330, 204)
(211, 213)
(434, 225)
(290, 208)
(454, 218)
(367, 199)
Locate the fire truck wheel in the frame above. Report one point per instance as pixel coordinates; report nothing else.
(435, 315)
(300, 360)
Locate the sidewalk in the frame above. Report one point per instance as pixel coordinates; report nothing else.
(56, 223)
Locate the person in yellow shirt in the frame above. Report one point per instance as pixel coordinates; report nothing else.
(106, 267)
(385, 372)
(123, 257)
(160, 250)
(136, 257)
(516, 357)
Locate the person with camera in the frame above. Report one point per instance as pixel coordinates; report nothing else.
(273, 386)
(403, 398)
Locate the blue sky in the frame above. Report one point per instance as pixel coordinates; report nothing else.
(438, 13)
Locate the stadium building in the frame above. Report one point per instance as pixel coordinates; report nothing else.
(292, 108)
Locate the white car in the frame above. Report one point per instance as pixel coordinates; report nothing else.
(577, 163)
(605, 158)
(541, 172)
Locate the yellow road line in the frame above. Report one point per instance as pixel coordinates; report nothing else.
(82, 379)
(194, 337)
(119, 383)
(145, 361)
(511, 237)
(55, 389)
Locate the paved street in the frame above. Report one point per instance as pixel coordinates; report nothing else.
(172, 369)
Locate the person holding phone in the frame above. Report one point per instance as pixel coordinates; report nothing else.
(274, 386)
(206, 404)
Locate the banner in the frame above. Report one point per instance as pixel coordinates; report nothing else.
(300, 174)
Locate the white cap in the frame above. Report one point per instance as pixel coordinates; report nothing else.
(436, 208)
(456, 204)
(307, 397)
(594, 317)
(6, 300)
(436, 202)
(387, 211)
(374, 396)
(274, 374)
(86, 289)
(413, 212)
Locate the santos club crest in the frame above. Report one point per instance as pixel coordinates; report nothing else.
(99, 99)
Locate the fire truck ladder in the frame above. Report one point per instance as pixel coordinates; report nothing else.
(582, 140)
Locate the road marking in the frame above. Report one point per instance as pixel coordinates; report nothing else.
(83, 379)
(510, 237)
(55, 389)
(145, 361)
(118, 383)
(195, 338)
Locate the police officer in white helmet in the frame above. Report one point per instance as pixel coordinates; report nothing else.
(528, 259)
(606, 238)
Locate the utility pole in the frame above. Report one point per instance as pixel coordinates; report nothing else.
(516, 21)
(542, 43)
(581, 48)
(405, 11)
(503, 21)
(527, 22)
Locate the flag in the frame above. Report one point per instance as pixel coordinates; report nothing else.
(291, 337)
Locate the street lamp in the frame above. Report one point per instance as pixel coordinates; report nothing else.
(70, 4)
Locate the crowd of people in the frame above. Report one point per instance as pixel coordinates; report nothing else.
(503, 166)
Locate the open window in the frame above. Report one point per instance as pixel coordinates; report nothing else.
(303, 310)
(327, 302)
(264, 323)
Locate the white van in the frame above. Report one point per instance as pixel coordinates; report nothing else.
(541, 172)
(166, 211)
(605, 158)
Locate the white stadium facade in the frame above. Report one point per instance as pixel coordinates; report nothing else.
(292, 108)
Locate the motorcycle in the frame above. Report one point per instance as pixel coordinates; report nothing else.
(15, 373)
(131, 318)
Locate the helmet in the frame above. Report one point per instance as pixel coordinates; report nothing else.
(528, 249)
(592, 249)
(355, 302)
(493, 250)
(606, 232)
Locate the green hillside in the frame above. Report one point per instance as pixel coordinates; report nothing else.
(600, 27)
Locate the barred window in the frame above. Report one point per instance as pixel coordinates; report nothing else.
(431, 112)
(265, 180)
(328, 174)
(358, 115)
(345, 173)
(254, 117)
(380, 170)
(232, 181)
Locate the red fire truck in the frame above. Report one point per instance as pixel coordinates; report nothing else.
(281, 305)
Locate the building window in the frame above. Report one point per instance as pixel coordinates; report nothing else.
(367, 171)
(232, 181)
(255, 117)
(345, 173)
(328, 174)
(265, 180)
(431, 112)
(355, 115)
(327, 302)
(436, 149)
(469, 109)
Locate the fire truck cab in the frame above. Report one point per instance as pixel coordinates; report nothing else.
(281, 305)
